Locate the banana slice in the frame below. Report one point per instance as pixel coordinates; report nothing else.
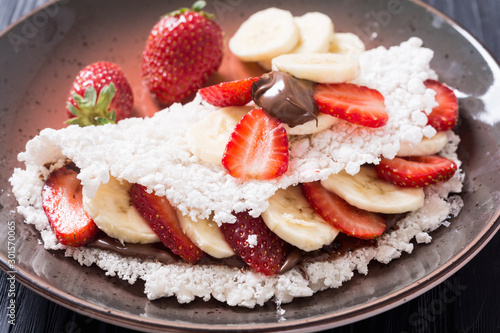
(318, 67)
(265, 35)
(425, 147)
(113, 213)
(315, 30)
(324, 121)
(206, 235)
(346, 43)
(208, 138)
(365, 191)
(290, 216)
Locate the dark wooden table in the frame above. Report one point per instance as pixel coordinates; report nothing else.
(469, 301)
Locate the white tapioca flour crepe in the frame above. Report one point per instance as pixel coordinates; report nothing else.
(154, 153)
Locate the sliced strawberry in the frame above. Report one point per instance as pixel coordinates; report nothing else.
(257, 148)
(255, 243)
(162, 218)
(356, 104)
(234, 93)
(348, 219)
(62, 203)
(444, 116)
(417, 171)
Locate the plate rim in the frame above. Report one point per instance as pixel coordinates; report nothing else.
(322, 321)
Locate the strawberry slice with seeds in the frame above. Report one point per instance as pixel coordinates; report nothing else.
(62, 203)
(356, 104)
(162, 218)
(444, 116)
(255, 243)
(348, 219)
(234, 93)
(257, 148)
(417, 171)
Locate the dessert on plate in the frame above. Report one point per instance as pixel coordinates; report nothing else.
(265, 188)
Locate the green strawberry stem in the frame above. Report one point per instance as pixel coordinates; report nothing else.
(197, 7)
(93, 109)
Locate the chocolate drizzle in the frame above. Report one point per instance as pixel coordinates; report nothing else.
(286, 98)
(154, 251)
(295, 257)
(341, 245)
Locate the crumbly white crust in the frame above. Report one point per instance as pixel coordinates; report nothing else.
(154, 153)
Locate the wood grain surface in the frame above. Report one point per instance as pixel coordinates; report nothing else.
(469, 301)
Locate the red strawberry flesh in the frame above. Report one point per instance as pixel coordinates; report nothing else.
(356, 104)
(62, 203)
(417, 171)
(444, 116)
(268, 253)
(348, 219)
(162, 218)
(257, 148)
(234, 93)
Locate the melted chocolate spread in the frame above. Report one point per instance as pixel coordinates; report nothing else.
(155, 251)
(295, 257)
(286, 98)
(341, 245)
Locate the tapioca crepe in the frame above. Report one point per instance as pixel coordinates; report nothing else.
(153, 152)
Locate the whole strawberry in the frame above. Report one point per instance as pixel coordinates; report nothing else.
(100, 94)
(183, 49)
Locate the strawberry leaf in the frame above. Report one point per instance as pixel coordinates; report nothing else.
(74, 111)
(92, 108)
(90, 96)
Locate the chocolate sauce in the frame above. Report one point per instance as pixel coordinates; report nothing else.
(341, 245)
(154, 251)
(391, 221)
(295, 257)
(286, 98)
(292, 259)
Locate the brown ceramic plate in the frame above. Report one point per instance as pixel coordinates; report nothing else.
(40, 57)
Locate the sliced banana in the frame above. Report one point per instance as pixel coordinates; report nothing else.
(324, 121)
(319, 67)
(290, 216)
(425, 147)
(365, 191)
(315, 31)
(114, 214)
(208, 138)
(265, 35)
(206, 235)
(346, 43)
